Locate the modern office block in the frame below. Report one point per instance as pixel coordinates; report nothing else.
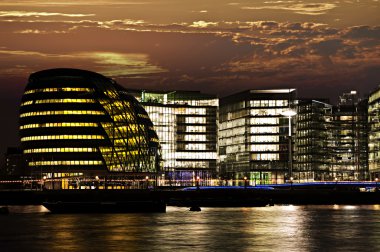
(79, 123)
(312, 143)
(349, 143)
(374, 134)
(256, 135)
(186, 125)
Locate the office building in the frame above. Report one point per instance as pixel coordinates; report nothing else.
(186, 124)
(312, 143)
(374, 134)
(349, 145)
(256, 135)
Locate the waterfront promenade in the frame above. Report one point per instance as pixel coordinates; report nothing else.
(296, 194)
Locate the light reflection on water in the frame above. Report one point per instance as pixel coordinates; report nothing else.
(277, 228)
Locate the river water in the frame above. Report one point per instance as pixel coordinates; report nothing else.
(276, 228)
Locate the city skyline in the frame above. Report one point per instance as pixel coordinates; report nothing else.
(220, 47)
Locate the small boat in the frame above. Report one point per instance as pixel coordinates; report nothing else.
(106, 207)
(195, 209)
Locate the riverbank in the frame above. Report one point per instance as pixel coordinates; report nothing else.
(328, 194)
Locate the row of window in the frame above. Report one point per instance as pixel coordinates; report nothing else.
(66, 149)
(65, 162)
(206, 102)
(195, 155)
(63, 112)
(232, 140)
(59, 101)
(60, 137)
(63, 124)
(64, 175)
(269, 103)
(63, 89)
(271, 112)
(265, 156)
(233, 124)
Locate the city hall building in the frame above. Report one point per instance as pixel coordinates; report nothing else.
(80, 123)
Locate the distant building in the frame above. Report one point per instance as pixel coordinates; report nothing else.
(312, 143)
(186, 125)
(80, 123)
(254, 141)
(350, 138)
(374, 133)
(14, 164)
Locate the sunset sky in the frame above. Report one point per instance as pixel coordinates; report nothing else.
(322, 48)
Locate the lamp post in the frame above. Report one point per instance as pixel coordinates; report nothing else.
(43, 182)
(245, 182)
(289, 113)
(198, 180)
(376, 180)
(147, 182)
(291, 183)
(97, 182)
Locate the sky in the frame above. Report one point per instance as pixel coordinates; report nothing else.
(322, 48)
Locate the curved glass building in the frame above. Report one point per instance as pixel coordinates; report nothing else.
(79, 122)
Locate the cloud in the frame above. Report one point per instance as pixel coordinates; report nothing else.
(299, 8)
(71, 3)
(39, 14)
(115, 64)
(110, 63)
(143, 53)
(326, 47)
(203, 24)
(37, 31)
(358, 32)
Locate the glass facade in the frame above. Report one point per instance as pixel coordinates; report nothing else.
(350, 138)
(255, 135)
(312, 143)
(374, 134)
(79, 122)
(186, 124)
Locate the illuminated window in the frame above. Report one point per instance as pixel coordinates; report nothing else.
(66, 149)
(63, 124)
(63, 112)
(265, 147)
(65, 101)
(65, 89)
(65, 162)
(200, 120)
(61, 137)
(195, 137)
(264, 139)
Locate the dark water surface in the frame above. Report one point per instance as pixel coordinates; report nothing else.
(277, 228)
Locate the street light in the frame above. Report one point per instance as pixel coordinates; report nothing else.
(43, 182)
(147, 182)
(291, 182)
(245, 182)
(198, 182)
(96, 182)
(289, 113)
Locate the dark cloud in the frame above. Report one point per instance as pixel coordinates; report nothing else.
(359, 32)
(327, 47)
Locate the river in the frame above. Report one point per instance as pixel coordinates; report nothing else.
(276, 228)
